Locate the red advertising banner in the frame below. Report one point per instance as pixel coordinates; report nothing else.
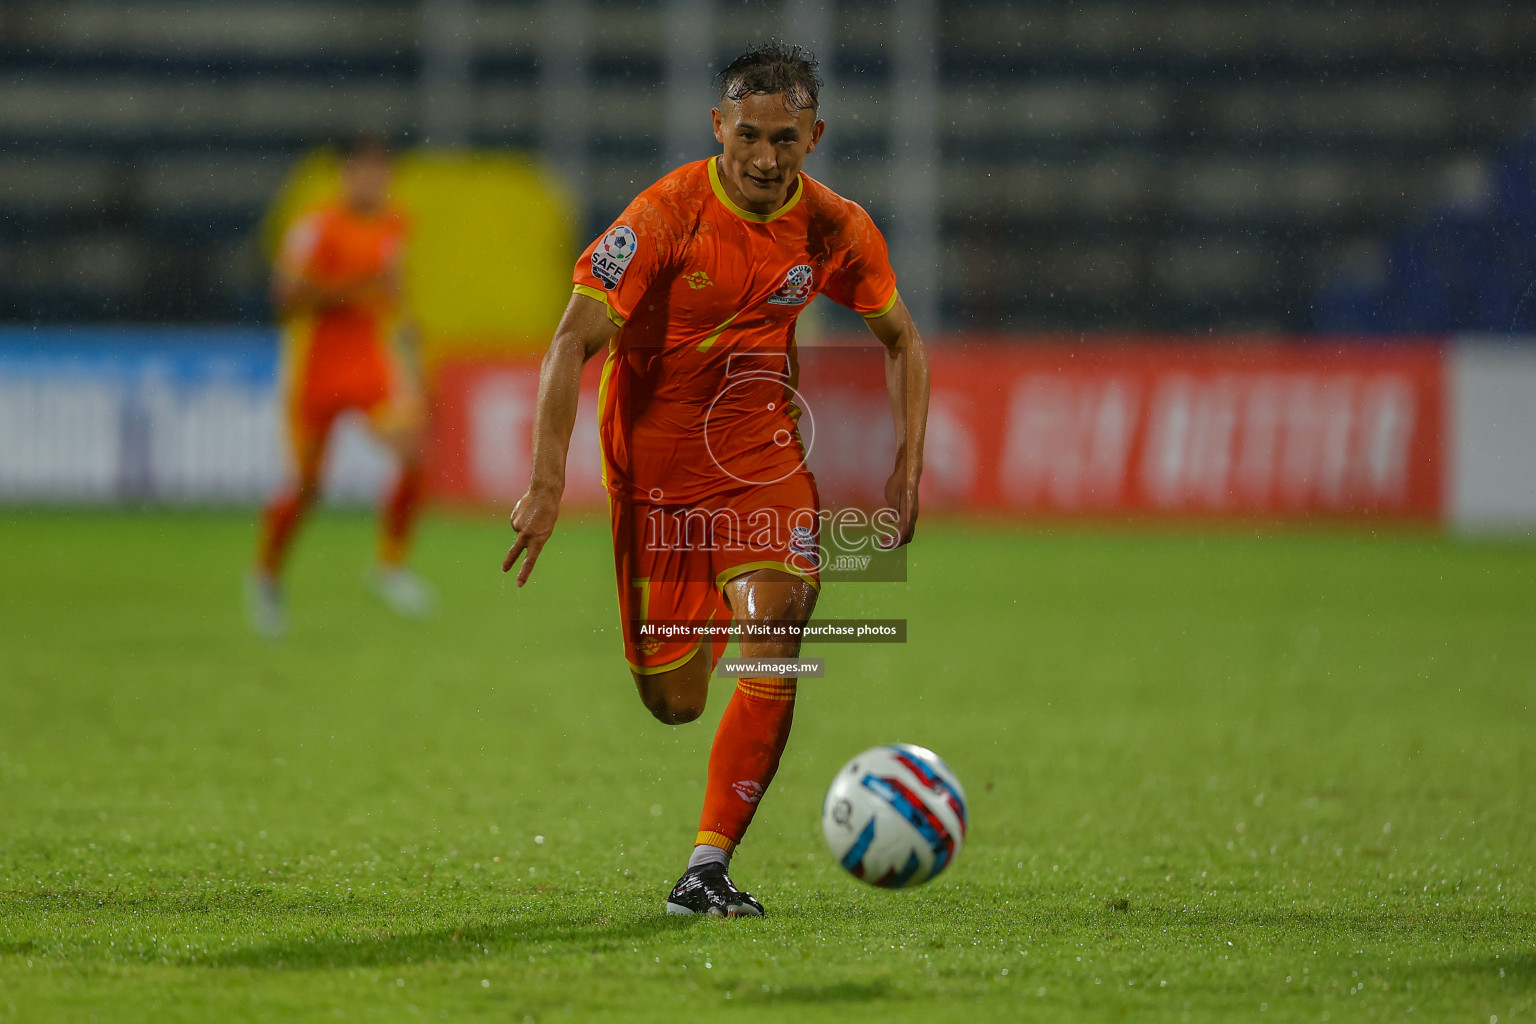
(482, 432)
(1230, 429)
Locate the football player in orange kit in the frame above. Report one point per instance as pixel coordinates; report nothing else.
(337, 286)
(693, 294)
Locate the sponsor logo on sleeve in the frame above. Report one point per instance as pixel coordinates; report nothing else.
(612, 256)
(796, 288)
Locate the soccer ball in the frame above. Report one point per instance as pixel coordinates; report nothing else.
(895, 816)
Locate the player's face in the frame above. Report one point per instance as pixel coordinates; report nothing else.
(766, 143)
(365, 179)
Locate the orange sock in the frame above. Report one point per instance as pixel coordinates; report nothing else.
(744, 757)
(400, 515)
(279, 520)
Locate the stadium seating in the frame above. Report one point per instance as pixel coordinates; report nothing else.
(1105, 165)
(1466, 265)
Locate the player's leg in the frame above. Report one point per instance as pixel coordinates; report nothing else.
(671, 675)
(398, 423)
(748, 744)
(768, 557)
(662, 582)
(283, 514)
(755, 726)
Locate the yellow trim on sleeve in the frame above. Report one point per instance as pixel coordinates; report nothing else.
(593, 293)
(293, 363)
(609, 362)
(890, 305)
(293, 359)
(756, 218)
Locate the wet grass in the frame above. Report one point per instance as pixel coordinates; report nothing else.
(1212, 778)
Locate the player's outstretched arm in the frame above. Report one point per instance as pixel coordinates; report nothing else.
(906, 379)
(584, 329)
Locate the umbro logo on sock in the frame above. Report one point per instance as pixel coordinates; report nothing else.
(749, 791)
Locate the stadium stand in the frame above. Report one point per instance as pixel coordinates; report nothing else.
(1467, 265)
(1105, 166)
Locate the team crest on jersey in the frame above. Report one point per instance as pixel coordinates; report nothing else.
(796, 288)
(611, 257)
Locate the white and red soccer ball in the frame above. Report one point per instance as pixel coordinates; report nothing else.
(895, 816)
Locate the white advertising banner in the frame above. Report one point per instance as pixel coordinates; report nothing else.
(175, 416)
(1491, 450)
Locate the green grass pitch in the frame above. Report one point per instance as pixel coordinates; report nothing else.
(1276, 777)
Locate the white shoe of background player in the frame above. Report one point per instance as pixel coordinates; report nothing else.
(264, 606)
(405, 592)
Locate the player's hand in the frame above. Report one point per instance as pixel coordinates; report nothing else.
(384, 286)
(368, 290)
(901, 495)
(534, 520)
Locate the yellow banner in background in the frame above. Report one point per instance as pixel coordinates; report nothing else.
(489, 264)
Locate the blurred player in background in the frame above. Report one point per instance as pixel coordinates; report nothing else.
(337, 287)
(694, 293)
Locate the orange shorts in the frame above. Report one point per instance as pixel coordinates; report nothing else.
(321, 390)
(673, 562)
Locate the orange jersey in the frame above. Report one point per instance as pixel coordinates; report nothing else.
(698, 397)
(342, 346)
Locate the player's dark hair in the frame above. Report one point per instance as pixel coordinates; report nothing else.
(770, 69)
(363, 144)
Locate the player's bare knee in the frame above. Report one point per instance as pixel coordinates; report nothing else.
(668, 705)
(771, 596)
(677, 696)
(787, 605)
(792, 603)
(674, 710)
(801, 602)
